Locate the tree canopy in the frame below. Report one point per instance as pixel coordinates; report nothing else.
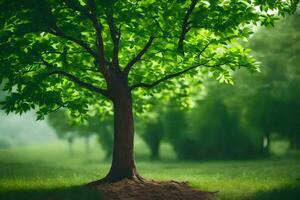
(61, 53)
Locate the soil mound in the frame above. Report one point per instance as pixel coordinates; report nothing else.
(151, 190)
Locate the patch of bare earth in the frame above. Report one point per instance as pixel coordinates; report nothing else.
(151, 190)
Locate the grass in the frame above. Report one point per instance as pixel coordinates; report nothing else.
(37, 172)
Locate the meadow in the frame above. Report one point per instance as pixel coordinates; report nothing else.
(49, 172)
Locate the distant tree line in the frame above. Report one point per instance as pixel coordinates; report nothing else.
(68, 130)
(239, 121)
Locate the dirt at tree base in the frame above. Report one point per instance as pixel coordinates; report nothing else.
(151, 190)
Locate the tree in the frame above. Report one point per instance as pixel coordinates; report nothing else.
(102, 127)
(150, 125)
(67, 129)
(63, 127)
(105, 139)
(84, 132)
(216, 127)
(152, 132)
(212, 129)
(274, 107)
(175, 126)
(72, 54)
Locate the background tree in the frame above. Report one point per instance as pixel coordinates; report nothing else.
(67, 129)
(64, 128)
(102, 127)
(212, 129)
(152, 132)
(4, 142)
(83, 131)
(81, 51)
(273, 95)
(216, 123)
(175, 127)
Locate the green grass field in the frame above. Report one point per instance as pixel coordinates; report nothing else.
(49, 172)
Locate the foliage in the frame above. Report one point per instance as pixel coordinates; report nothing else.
(81, 44)
(63, 127)
(212, 130)
(152, 132)
(104, 130)
(216, 124)
(275, 106)
(175, 127)
(94, 125)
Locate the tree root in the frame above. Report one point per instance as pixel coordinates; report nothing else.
(107, 179)
(97, 182)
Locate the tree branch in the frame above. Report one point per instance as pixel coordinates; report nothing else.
(98, 28)
(204, 48)
(139, 55)
(63, 105)
(115, 36)
(92, 69)
(79, 82)
(59, 33)
(47, 64)
(92, 15)
(170, 76)
(56, 31)
(73, 78)
(184, 27)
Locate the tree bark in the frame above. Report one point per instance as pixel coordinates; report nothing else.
(123, 162)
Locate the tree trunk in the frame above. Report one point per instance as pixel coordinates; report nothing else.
(70, 145)
(266, 143)
(108, 154)
(123, 163)
(87, 144)
(155, 153)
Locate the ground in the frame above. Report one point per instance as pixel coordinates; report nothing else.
(41, 172)
(151, 190)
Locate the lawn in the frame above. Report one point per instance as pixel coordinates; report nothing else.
(41, 172)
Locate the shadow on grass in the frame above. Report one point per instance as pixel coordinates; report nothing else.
(72, 193)
(291, 192)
